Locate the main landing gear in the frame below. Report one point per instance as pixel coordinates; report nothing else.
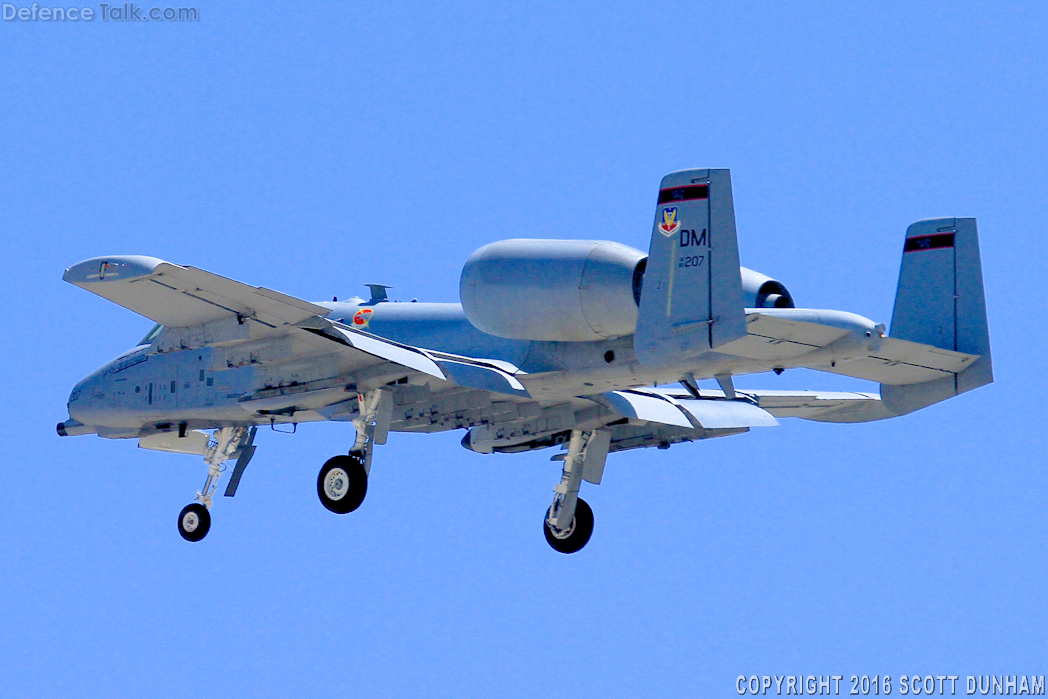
(569, 520)
(343, 483)
(194, 521)
(576, 535)
(343, 480)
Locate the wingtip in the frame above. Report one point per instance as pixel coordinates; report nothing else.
(111, 268)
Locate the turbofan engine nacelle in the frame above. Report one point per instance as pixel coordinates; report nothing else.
(761, 291)
(559, 290)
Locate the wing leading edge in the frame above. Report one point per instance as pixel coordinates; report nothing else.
(179, 297)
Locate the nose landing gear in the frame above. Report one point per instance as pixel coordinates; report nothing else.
(194, 521)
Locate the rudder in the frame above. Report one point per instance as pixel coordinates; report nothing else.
(692, 299)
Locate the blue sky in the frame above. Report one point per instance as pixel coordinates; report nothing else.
(313, 148)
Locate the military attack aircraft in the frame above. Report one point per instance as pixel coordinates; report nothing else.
(586, 345)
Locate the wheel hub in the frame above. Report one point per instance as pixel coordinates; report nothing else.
(336, 484)
(190, 521)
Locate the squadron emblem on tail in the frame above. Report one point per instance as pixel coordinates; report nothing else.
(670, 225)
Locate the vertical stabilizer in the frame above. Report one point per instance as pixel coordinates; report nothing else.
(692, 298)
(940, 302)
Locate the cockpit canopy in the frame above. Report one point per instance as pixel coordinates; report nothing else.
(151, 335)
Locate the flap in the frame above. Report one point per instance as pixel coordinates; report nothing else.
(485, 374)
(820, 406)
(646, 407)
(179, 297)
(727, 414)
(403, 355)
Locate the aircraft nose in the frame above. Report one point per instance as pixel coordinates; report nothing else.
(77, 399)
(78, 409)
(84, 400)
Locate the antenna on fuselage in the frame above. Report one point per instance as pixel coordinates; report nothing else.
(378, 293)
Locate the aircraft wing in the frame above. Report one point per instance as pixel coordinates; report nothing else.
(819, 406)
(180, 297)
(440, 391)
(753, 408)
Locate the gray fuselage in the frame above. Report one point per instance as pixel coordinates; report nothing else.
(204, 386)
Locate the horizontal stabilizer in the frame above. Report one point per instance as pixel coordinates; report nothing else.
(777, 334)
(822, 406)
(899, 362)
(782, 334)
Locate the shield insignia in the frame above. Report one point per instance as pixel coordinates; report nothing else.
(669, 225)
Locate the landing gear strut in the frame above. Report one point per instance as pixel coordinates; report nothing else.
(569, 520)
(343, 480)
(194, 521)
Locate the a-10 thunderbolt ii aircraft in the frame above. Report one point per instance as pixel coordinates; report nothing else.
(592, 346)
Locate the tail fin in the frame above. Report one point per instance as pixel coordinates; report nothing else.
(692, 298)
(940, 302)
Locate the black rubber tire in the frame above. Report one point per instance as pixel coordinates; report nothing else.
(349, 500)
(203, 519)
(580, 535)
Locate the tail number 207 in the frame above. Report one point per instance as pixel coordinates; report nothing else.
(690, 261)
